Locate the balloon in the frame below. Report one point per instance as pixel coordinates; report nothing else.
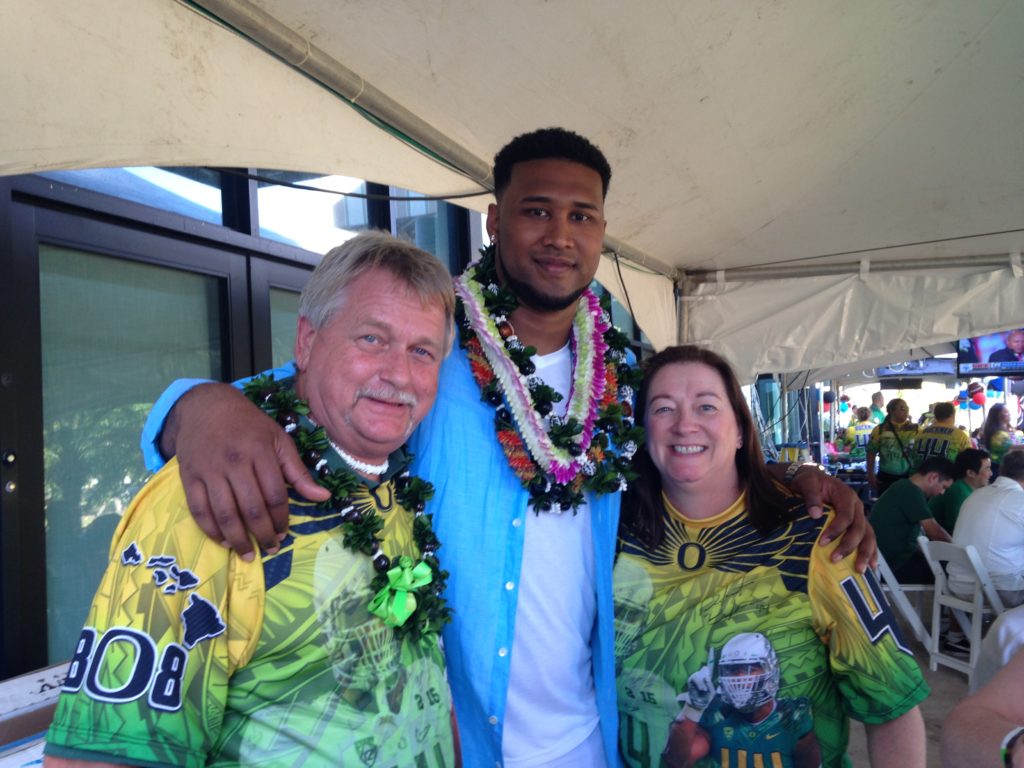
(844, 407)
(978, 397)
(963, 394)
(956, 401)
(975, 406)
(963, 404)
(996, 385)
(974, 386)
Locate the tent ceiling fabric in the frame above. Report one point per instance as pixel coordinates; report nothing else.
(771, 132)
(828, 321)
(121, 82)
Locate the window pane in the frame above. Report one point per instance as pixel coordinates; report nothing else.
(192, 192)
(423, 222)
(316, 221)
(284, 313)
(114, 332)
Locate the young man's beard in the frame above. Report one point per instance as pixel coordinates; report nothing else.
(530, 296)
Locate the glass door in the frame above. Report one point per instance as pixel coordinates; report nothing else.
(121, 314)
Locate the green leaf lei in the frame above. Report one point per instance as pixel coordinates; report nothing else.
(421, 610)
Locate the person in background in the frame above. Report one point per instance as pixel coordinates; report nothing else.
(972, 470)
(855, 442)
(901, 514)
(939, 437)
(987, 729)
(877, 410)
(752, 645)
(890, 441)
(996, 435)
(992, 521)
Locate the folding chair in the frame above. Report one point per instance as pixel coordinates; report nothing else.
(898, 597)
(969, 612)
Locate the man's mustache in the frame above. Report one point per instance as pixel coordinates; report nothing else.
(388, 395)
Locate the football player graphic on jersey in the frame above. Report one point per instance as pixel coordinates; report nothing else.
(731, 715)
(633, 591)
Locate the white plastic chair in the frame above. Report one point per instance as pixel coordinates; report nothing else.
(898, 597)
(969, 612)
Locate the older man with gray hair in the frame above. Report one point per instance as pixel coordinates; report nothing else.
(326, 651)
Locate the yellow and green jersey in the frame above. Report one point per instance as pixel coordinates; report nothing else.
(193, 657)
(934, 440)
(835, 647)
(856, 439)
(893, 448)
(1000, 443)
(741, 742)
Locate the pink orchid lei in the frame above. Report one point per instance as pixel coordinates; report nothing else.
(590, 448)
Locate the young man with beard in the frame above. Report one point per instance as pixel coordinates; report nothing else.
(528, 446)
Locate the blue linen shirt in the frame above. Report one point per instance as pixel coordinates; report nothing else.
(479, 510)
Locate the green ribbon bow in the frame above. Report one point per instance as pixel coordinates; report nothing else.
(396, 602)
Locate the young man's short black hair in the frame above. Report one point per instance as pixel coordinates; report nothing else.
(968, 459)
(549, 144)
(938, 464)
(943, 411)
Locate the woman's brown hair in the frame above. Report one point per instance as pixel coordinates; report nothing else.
(642, 509)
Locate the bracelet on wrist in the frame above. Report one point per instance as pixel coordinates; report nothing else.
(796, 466)
(1009, 741)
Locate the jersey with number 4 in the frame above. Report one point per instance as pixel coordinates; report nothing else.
(857, 436)
(718, 593)
(934, 440)
(194, 657)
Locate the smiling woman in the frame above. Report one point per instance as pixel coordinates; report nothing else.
(702, 445)
(735, 625)
(693, 436)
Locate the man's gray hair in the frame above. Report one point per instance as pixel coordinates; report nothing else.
(1012, 465)
(420, 271)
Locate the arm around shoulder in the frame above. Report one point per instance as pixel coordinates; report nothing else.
(235, 464)
(151, 441)
(157, 446)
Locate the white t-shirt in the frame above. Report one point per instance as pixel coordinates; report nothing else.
(992, 519)
(552, 707)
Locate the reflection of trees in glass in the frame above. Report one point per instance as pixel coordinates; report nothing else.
(114, 332)
(93, 469)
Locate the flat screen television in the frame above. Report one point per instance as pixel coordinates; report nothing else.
(996, 354)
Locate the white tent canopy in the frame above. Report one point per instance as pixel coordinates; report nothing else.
(796, 136)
